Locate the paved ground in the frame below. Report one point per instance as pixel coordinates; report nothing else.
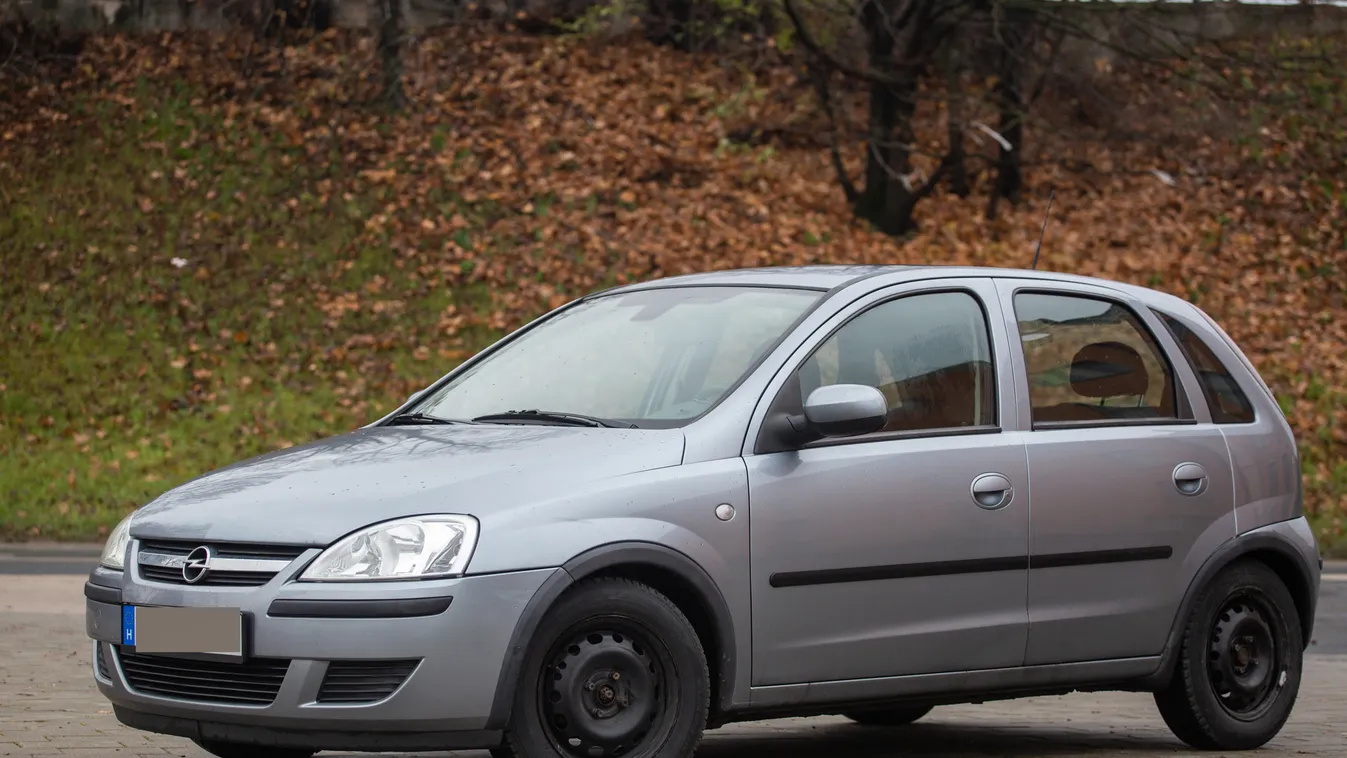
(49, 706)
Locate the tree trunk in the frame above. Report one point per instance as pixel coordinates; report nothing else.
(390, 53)
(902, 38)
(955, 121)
(889, 197)
(1009, 97)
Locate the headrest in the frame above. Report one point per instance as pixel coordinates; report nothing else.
(1108, 369)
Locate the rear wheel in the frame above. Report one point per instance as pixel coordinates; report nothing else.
(1240, 664)
(236, 750)
(889, 716)
(615, 669)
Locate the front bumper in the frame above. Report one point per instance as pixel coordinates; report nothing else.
(445, 703)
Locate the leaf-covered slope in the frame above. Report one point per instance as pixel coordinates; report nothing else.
(212, 248)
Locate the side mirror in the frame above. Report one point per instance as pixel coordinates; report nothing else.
(846, 410)
(414, 396)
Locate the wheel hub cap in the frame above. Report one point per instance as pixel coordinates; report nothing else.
(608, 695)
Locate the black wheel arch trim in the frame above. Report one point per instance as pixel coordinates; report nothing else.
(1231, 551)
(592, 562)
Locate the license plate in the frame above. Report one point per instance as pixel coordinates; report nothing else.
(199, 631)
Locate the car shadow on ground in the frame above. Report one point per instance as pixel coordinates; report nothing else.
(839, 740)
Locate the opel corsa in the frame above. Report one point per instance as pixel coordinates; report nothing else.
(662, 508)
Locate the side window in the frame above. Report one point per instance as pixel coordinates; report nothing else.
(928, 354)
(1091, 360)
(1228, 403)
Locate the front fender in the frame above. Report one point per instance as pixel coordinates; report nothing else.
(620, 555)
(662, 521)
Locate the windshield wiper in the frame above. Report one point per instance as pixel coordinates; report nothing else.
(574, 419)
(410, 419)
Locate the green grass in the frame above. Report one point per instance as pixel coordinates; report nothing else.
(123, 375)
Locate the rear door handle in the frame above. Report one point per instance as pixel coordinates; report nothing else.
(1190, 478)
(992, 491)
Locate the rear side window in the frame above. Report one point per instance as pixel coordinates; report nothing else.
(1092, 361)
(1228, 403)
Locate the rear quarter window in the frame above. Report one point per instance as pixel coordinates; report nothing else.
(1228, 403)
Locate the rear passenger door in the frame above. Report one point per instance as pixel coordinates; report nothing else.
(1131, 483)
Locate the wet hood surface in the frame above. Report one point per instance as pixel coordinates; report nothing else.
(316, 493)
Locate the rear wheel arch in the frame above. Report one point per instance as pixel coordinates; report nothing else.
(669, 572)
(1289, 569)
(1272, 550)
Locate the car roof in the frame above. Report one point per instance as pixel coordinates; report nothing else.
(834, 276)
(820, 277)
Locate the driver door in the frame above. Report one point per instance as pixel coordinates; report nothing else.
(873, 556)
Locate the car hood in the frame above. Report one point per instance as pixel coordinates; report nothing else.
(316, 493)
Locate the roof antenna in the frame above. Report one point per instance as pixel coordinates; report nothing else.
(1044, 230)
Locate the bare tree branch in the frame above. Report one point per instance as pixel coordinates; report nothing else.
(812, 45)
(820, 77)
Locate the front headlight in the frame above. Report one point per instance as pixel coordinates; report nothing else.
(114, 550)
(422, 547)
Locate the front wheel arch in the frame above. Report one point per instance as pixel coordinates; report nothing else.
(665, 570)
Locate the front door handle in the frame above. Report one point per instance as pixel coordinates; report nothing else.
(1190, 478)
(992, 491)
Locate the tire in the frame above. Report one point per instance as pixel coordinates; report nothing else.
(236, 750)
(615, 667)
(889, 716)
(1239, 664)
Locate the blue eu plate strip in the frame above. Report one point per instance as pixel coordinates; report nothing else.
(129, 625)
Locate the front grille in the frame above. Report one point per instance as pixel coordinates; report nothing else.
(216, 579)
(363, 681)
(253, 682)
(236, 564)
(100, 661)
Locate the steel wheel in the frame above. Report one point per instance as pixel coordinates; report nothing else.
(602, 691)
(1247, 661)
(1239, 664)
(614, 670)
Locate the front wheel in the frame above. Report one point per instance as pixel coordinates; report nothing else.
(1240, 663)
(615, 669)
(235, 750)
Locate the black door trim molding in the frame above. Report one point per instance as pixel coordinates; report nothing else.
(972, 566)
(1100, 557)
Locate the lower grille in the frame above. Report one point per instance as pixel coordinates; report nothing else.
(100, 661)
(363, 681)
(253, 682)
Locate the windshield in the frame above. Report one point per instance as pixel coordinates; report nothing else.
(654, 358)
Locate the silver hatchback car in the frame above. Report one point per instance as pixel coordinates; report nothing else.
(669, 506)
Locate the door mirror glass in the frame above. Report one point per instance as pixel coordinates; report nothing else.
(845, 410)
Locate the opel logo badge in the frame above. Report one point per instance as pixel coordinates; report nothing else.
(197, 566)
